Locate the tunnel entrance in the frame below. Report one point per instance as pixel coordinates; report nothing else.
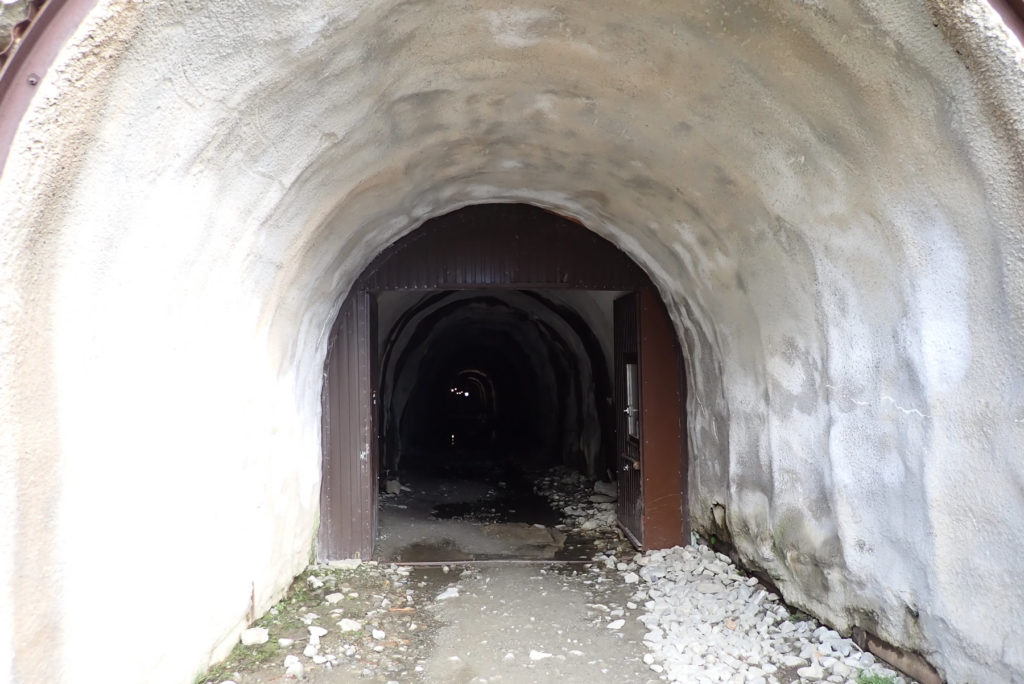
(472, 358)
(483, 393)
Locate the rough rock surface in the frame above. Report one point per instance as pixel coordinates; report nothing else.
(826, 194)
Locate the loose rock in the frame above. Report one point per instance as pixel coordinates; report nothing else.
(349, 625)
(255, 636)
(708, 622)
(450, 592)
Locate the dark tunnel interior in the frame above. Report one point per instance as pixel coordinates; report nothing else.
(487, 384)
(476, 378)
(483, 392)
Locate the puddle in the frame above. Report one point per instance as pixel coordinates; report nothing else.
(509, 507)
(578, 547)
(427, 551)
(510, 499)
(475, 511)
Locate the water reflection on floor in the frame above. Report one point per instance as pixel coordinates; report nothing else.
(474, 510)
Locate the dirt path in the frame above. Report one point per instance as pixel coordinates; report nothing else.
(680, 615)
(521, 624)
(500, 622)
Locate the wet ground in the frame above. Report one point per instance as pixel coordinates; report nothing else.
(459, 624)
(474, 509)
(501, 616)
(477, 579)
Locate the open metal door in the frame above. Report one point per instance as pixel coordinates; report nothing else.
(663, 449)
(628, 422)
(348, 490)
(649, 402)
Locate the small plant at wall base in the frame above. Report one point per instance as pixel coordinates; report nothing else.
(869, 678)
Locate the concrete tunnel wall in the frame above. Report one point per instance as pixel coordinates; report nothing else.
(826, 194)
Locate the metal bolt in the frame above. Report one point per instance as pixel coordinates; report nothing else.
(33, 79)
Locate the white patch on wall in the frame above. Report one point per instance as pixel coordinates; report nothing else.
(789, 374)
(513, 27)
(545, 103)
(939, 326)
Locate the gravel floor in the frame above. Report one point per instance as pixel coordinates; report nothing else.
(679, 615)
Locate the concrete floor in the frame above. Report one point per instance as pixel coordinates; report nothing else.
(473, 510)
(519, 624)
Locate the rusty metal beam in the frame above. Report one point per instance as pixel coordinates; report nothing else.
(30, 59)
(1012, 12)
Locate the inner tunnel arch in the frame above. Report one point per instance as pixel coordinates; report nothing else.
(499, 293)
(573, 371)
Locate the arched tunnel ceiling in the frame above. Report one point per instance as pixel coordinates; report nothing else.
(826, 194)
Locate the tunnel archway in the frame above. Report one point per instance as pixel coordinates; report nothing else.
(544, 367)
(495, 354)
(834, 186)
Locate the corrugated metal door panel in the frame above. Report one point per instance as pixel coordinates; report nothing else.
(368, 396)
(348, 488)
(628, 409)
(504, 245)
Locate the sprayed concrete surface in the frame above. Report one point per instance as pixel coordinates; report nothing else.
(826, 194)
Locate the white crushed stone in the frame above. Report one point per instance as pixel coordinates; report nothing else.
(578, 510)
(450, 592)
(293, 667)
(708, 623)
(349, 625)
(255, 636)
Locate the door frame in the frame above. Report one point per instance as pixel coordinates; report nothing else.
(493, 246)
(629, 427)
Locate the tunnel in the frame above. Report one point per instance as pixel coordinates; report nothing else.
(825, 196)
(488, 392)
(486, 341)
(495, 373)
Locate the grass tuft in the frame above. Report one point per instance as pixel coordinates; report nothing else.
(866, 677)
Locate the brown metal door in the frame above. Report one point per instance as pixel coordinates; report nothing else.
(663, 445)
(629, 413)
(348, 490)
